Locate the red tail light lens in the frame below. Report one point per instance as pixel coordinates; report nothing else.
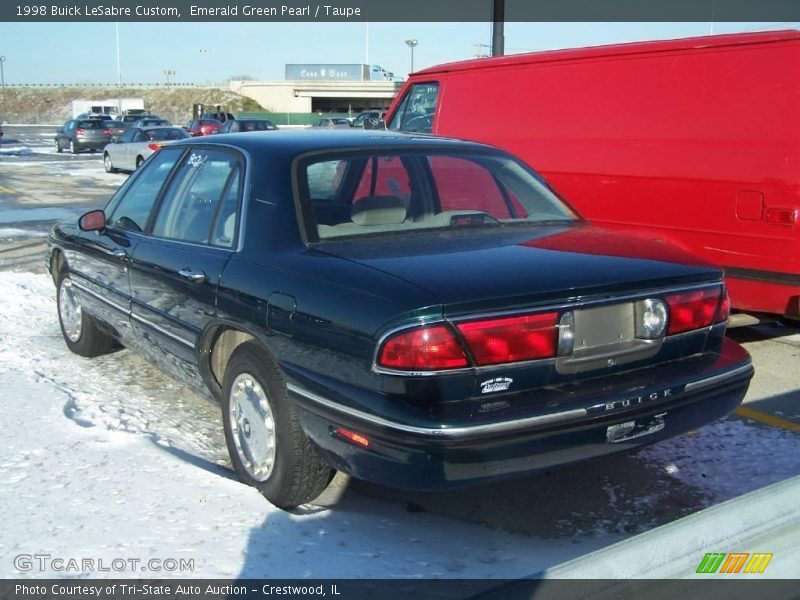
(512, 339)
(692, 310)
(107, 131)
(154, 147)
(80, 131)
(424, 349)
(724, 310)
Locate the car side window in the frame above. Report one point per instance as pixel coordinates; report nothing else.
(191, 203)
(134, 206)
(139, 136)
(225, 223)
(127, 136)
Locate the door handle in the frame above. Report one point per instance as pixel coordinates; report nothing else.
(118, 252)
(193, 276)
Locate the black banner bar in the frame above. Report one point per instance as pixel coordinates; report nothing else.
(400, 10)
(701, 587)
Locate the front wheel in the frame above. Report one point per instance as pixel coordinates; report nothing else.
(81, 332)
(59, 149)
(267, 446)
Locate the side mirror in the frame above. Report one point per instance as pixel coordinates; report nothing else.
(93, 220)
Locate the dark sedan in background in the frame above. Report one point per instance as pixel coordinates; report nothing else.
(82, 134)
(414, 311)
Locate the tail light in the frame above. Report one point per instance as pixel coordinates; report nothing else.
(107, 131)
(511, 339)
(154, 147)
(80, 131)
(423, 349)
(696, 309)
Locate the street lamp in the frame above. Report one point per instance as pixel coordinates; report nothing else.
(411, 44)
(170, 73)
(2, 75)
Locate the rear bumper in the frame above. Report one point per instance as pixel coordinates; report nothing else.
(91, 145)
(613, 417)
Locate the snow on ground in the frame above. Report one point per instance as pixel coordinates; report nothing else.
(24, 150)
(100, 461)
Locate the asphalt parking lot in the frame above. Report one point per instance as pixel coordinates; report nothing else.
(619, 495)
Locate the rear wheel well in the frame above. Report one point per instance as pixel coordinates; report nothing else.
(225, 342)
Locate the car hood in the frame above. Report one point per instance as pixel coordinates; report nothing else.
(480, 269)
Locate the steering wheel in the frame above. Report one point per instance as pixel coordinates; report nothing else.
(422, 123)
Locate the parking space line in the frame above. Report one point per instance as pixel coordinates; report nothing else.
(767, 419)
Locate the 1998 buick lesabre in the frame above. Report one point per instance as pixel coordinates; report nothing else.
(415, 311)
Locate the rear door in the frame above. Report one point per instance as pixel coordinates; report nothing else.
(176, 269)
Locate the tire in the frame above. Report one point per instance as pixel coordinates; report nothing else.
(73, 147)
(290, 470)
(139, 161)
(80, 330)
(108, 164)
(59, 149)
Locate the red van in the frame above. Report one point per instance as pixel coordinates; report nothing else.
(693, 141)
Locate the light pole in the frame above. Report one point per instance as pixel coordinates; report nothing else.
(2, 74)
(169, 73)
(412, 44)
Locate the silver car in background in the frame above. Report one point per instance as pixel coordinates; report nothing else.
(131, 149)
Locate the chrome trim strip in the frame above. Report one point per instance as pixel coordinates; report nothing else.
(440, 432)
(469, 431)
(163, 331)
(94, 294)
(704, 383)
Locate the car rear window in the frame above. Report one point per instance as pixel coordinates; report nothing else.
(92, 124)
(359, 193)
(255, 125)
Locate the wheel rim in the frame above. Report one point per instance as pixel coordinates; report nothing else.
(69, 309)
(252, 426)
(107, 160)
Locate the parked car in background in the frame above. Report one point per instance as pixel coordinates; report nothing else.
(369, 119)
(690, 141)
(121, 124)
(332, 123)
(82, 134)
(134, 146)
(152, 122)
(419, 312)
(198, 127)
(241, 125)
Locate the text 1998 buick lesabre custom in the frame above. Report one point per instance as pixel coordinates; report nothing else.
(414, 311)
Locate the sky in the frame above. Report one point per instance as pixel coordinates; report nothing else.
(210, 53)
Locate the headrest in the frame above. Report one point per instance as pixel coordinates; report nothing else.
(378, 210)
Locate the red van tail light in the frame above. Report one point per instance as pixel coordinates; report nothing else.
(107, 132)
(423, 349)
(693, 310)
(512, 339)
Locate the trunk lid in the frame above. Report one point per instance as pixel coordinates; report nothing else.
(473, 270)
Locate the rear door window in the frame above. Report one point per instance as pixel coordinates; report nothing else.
(416, 111)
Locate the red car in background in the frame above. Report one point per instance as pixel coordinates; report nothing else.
(694, 142)
(198, 127)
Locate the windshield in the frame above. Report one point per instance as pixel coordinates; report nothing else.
(362, 194)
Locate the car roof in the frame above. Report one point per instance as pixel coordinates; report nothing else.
(300, 141)
(155, 127)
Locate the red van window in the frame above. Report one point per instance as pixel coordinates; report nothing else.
(465, 185)
(384, 176)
